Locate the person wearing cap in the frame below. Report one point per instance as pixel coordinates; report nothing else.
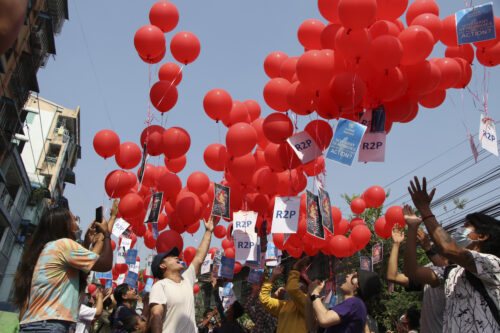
(171, 300)
(348, 316)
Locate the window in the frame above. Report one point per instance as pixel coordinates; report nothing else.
(29, 118)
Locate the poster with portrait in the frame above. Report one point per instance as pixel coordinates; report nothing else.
(365, 263)
(221, 201)
(314, 223)
(325, 209)
(377, 253)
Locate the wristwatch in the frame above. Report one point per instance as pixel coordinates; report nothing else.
(314, 297)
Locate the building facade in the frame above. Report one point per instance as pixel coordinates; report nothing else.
(18, 68)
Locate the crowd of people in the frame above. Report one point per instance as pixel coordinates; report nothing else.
(461, 285)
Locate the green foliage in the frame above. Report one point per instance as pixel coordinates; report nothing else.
(385, 308)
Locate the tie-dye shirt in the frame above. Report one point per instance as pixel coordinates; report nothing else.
(54, 287)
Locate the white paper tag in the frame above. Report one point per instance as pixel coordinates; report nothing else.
(488, 135)
(126, 243)
(244, 221)
(120, 256)
(120, 279)
(304, 146)
(372, 147)
(205, 266)
(119, 227)
(286, 215)
(149, 261)
(135, 267)
(245, 246)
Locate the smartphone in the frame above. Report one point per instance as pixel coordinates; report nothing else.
(98, 214)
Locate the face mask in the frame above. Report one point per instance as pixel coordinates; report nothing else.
(461, 236)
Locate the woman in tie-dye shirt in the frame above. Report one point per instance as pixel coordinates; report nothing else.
(53, 270)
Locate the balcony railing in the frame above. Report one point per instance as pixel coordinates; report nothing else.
(58, 9)
(51, 159)
(42, 41)
(23, 79)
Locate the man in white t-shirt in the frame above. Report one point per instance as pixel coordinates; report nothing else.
(171, 299)
(86, 314)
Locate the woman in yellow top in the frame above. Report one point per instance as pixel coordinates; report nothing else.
(290, 314)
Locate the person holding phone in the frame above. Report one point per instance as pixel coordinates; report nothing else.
(290, 314)
(97, 242)
(53, 272)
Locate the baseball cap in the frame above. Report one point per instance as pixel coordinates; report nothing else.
(155, 265)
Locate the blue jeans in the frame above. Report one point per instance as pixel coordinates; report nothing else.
(48, 326)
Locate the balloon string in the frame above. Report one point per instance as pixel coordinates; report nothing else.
(171, 83)
(105, 173)
(148, 119)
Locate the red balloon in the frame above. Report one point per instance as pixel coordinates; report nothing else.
(389, 85)
(113, 245)
(237, 267)
(152, 137)
(148, 178)
(390, 9)
(398, 110)
(374, 196)
(301, 99)
(326, 106)
(431, 22)
(196, 289)
(229, 252)
(278, 240)
(358, 206)
(355, 222)
(149, 240)
(288, 66)
(419, 7)
(238, 114)
(241, 139)
(163, 95)
(272, 63)
(164, 15)
(185, 47)
(328, 9)
(288, 157)
(212, 251)
(336, 215)
(128, 155)
(347, 89)
(417, 44)
(340, 246)
(434, 99)
(466, 73)
(149, 41)
(321, 132)
(328, 36)
(131, 205)
(352, 44)
(451, 72)
(380, 228)
(275, 94)
(198, 182)
(169, 239)
(175, 165)
(464, 51)
(342, 227)
(154, 60)
(360, 235)
(315, 68)
(106, 143)
(217, 104)
(170, 184)
(162, 222)
(423, 78)
(175, 223)
(394, 215)
(491, 42)
(261, 139)
(215, 156)
(242, 168)
(355, 14)
(382, 27)
(189, 254)
(315, 167)
(271, 154)
(170, 72)
(253, 109)
(386, 52)
(118, 183)
(265, 180)
(91, 288)
(277, 127)
(449, 32)
(176, 142)
(188, 208)
(219, 231)
(226, 243)
(309, 34)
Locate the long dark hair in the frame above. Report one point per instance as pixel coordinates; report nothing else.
(56, 223)
(487, 225)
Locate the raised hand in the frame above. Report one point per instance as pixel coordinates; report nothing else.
(315, 287)
(209, 225)
(101, 226)
(410, 217)
(301, 263)
(114, 208)
(398, 236)
(423, 240)
(421, 199)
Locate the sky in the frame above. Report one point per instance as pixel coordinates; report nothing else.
(97, 68)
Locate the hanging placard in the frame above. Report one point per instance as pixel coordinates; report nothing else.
(245, 246)
(244, 221)
(304, 147)
(325, 209)
(372, 147)
(154, 207)
(286, 215)
(227, 267)
(488, 135)
(314, 221)
(119, 227)
(345, 141)
(220, 205)
(475, 24)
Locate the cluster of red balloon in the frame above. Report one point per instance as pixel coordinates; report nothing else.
(150, 43)
(365, 56)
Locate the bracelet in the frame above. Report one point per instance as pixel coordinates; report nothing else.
(426, 217)
(108, 237)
